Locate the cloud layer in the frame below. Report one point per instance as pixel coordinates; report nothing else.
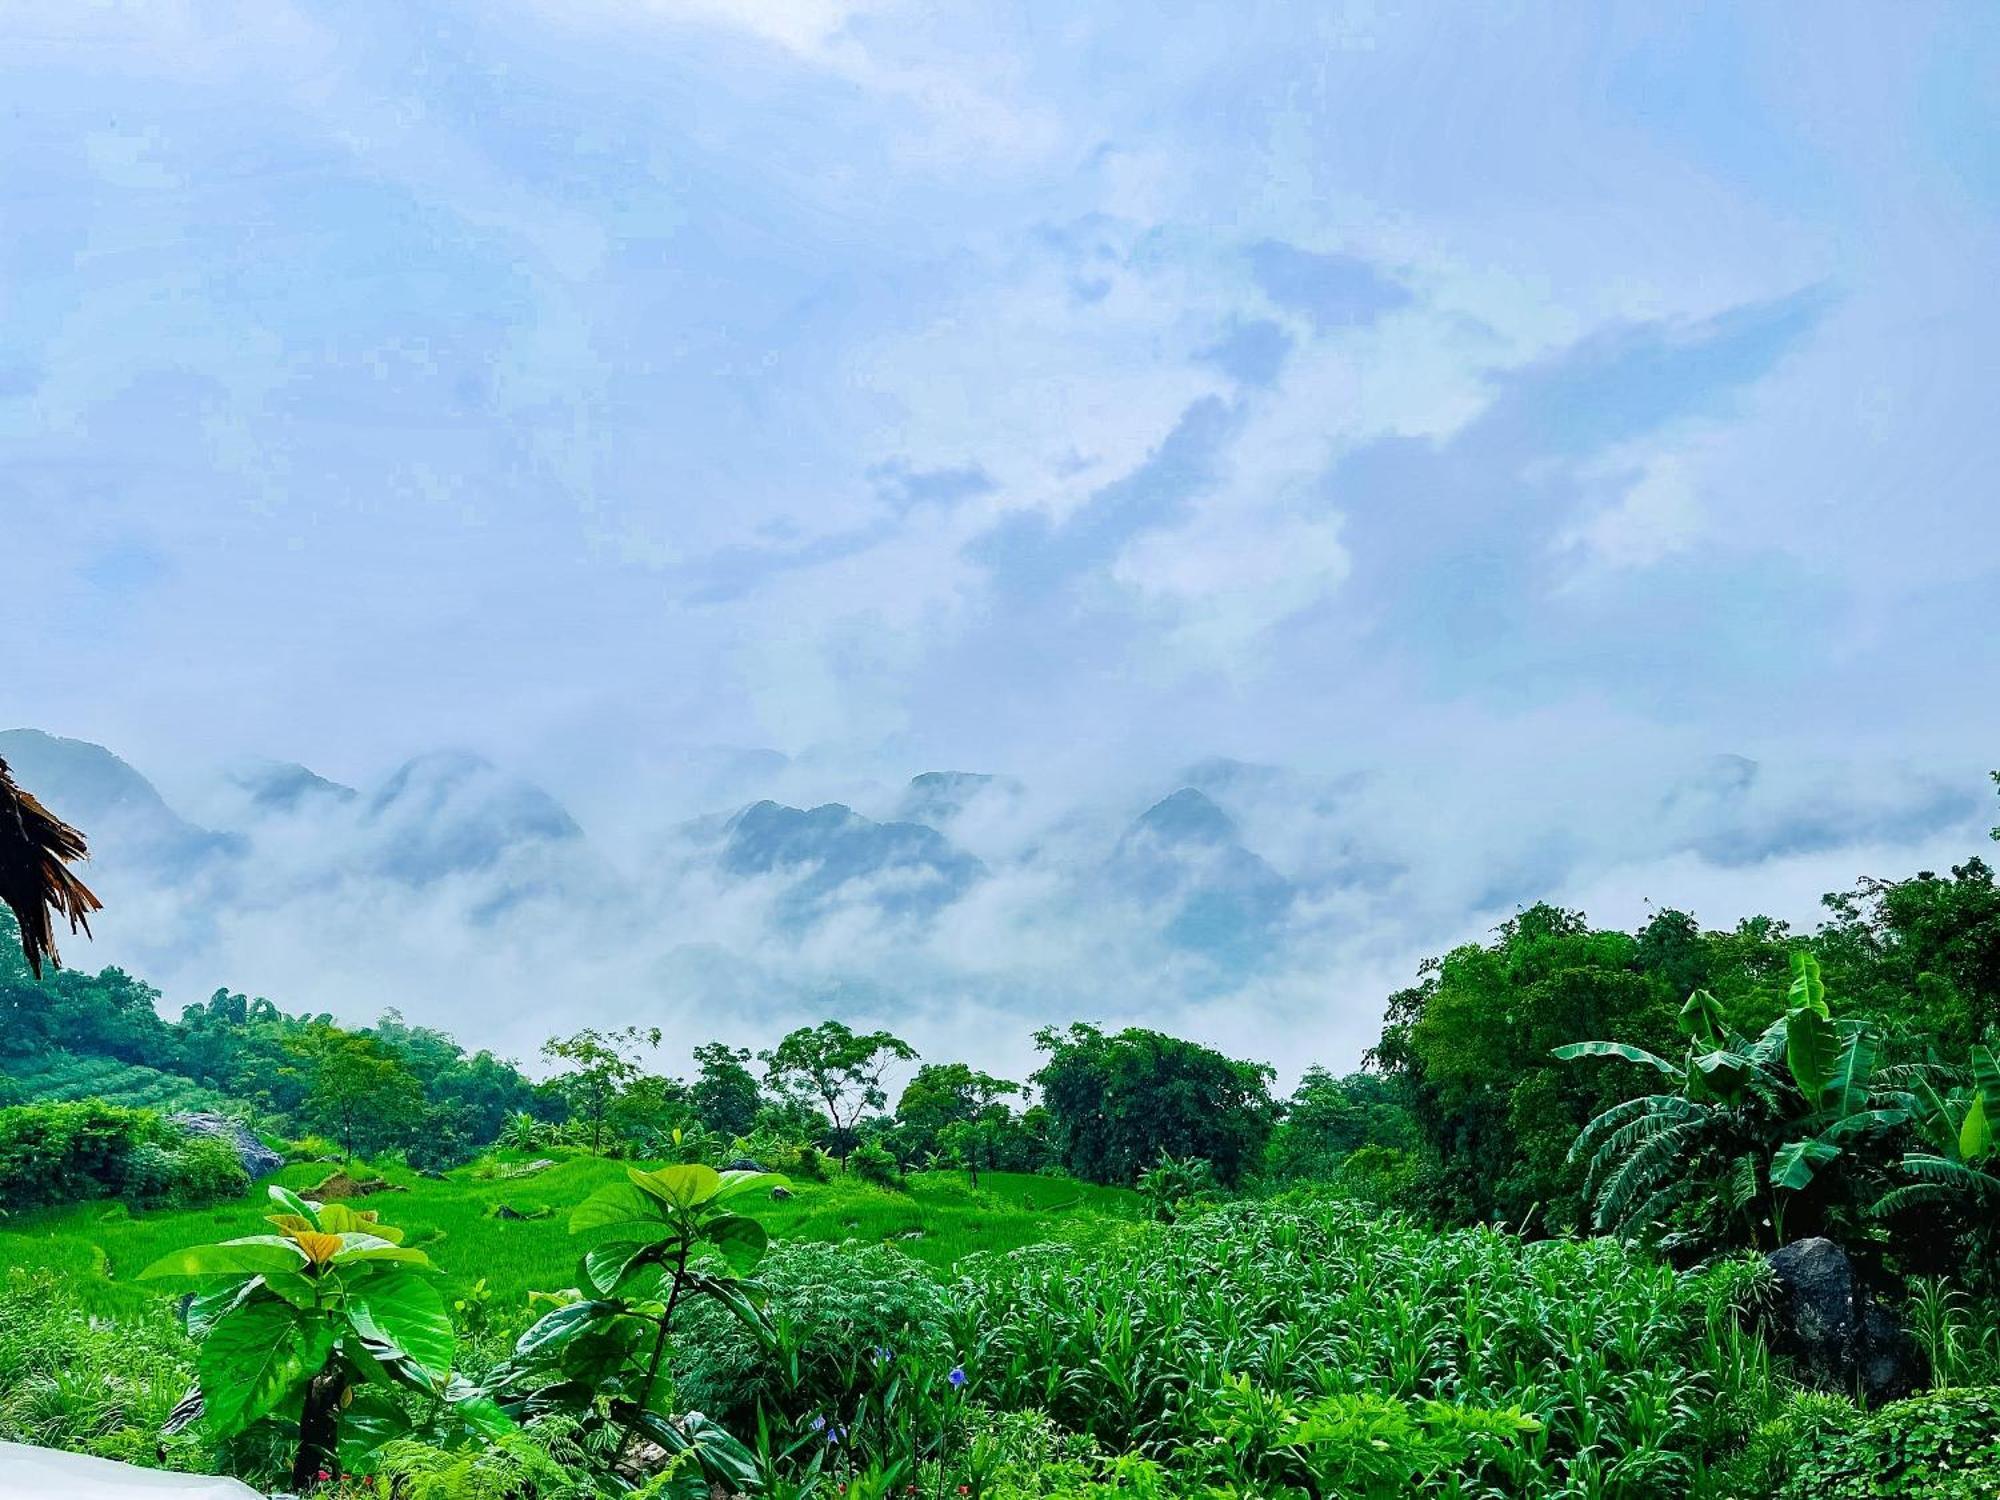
(1496, 416)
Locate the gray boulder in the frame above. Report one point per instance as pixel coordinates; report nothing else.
(742, 1164)
(258, 1159)
(1828, 1323)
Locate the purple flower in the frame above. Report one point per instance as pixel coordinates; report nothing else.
(883, 1356)
(819, 1424)
(957, 1376)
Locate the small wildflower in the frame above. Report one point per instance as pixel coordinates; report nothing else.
(957, 1376)
(819, 1424)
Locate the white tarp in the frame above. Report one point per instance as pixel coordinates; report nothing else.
(45, 1474)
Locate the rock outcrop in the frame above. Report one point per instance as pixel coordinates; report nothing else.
(1841, 1338)
(258, 1159)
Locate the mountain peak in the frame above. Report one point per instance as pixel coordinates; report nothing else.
(1187, 817)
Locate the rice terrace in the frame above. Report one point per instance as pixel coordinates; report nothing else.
(869, 750)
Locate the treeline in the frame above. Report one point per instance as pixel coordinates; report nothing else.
(390, 1086)
(1462, 1111)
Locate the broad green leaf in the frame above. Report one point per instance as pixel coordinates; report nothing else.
(338, 1218)
(556, 1329)
(1847, 1090)
(205, 1310)
(735, 1184)
(1723, 1073)
(1625, 1050)
(1863, 1121)
(618, 1203)
(361, 1248)
(1702, 1017)
(723, 1460)
(1812, 1050)
(252, 1256)
(372, 1418)
(1808, 991)
(398, 1307)
(1795, 1162)
(1986, 1079)
(611, 1267)
(678, 1186)
(256, 1356)
(741, 1239)
(292, 1203)
(1975, 1135)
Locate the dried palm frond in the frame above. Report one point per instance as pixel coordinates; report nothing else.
(35, 880)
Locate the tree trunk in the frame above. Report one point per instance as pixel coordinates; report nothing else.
(319, 1427)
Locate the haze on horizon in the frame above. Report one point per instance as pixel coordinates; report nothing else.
(1551, 452)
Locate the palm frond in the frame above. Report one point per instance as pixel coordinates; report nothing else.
(36, 848)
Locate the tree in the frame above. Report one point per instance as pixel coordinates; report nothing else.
(601, 1063)
(957, 1099)
(1119, 1101)
(1469, 1051)
(1328, 1119)
(1747, 1131)
(724, 1094)
(362, 1091)
(839, 1068)
(36, 849)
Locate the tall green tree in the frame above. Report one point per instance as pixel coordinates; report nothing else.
(595, 1067)
(956, 1098)
(724, 1093)
(840, 1069)
(1119, 1100)
(362, 1092)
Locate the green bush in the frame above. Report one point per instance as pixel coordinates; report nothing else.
(69, 1152)
(70, 1380)
(839, 1311)
(877, 1164)
(1944, 1445)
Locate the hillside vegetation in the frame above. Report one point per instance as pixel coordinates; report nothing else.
(1532, 1249)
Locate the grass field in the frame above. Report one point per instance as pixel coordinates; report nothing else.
(100, 1247)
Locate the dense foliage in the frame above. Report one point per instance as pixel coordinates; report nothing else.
(59, 1153)
(1119, 1100)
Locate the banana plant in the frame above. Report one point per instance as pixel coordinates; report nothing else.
(604, 1344)
(1960, 1131)
(1745, 1114)
(292, 1324)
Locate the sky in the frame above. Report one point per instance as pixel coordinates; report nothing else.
(1518, 404)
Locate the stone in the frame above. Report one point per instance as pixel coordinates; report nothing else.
(258, 1159)
(742, 1164)
(1828, 1322)
(503, 1211)
(780, 1194)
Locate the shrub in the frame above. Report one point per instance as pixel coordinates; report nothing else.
(876, 1163)
(1944, 1445)
(69, 1152)
(69, 1380)
(833, 1307)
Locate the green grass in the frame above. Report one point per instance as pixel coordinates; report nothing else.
(101, 1246)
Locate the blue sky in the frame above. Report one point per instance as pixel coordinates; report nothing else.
(1074, 390)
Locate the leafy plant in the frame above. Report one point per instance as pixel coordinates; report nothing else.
(1172, 1183)
(291, 1324)
(1750, 1123)
(604, 1345)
